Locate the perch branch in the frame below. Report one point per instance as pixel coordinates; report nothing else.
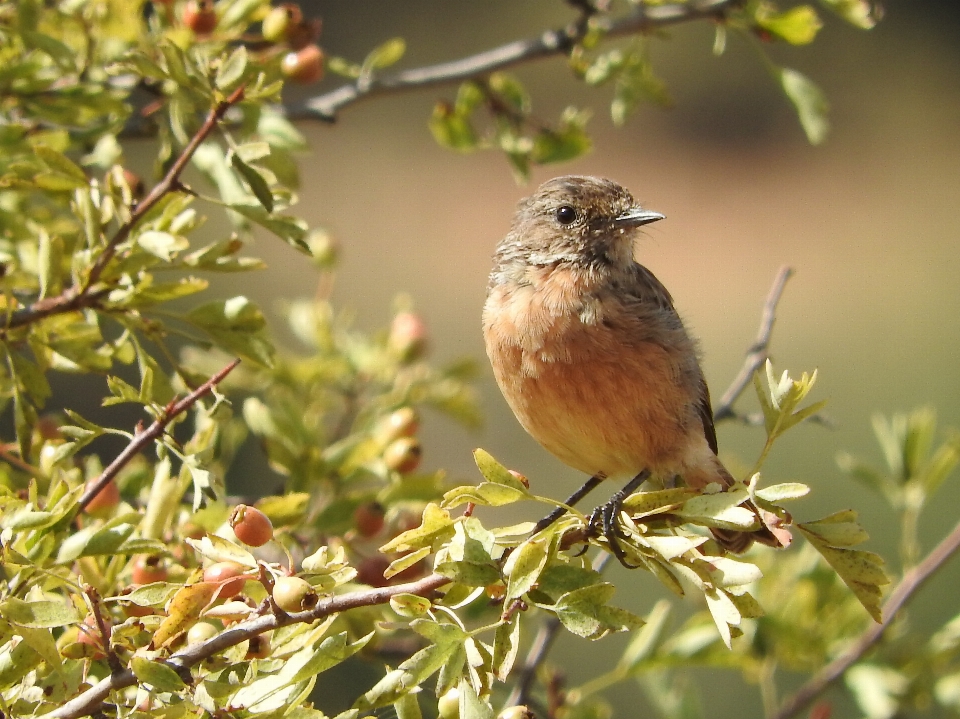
(143, 438)
(643, 18)
(757, 354)
(902, 593)
(80, 297)
(89, 702)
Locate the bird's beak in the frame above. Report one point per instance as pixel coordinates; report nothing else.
(634, 217)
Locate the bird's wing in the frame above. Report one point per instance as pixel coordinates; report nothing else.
(659, 294)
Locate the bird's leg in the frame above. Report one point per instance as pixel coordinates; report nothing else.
(587, 487)
(606, 515)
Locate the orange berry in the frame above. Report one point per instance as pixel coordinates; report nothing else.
(148, 569)
(229, 575)
(251, 526)
(305, 65)
(105, 500)
(368, 519)
(403, 455)
(199, 16)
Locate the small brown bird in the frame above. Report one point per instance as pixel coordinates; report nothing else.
(589, 351)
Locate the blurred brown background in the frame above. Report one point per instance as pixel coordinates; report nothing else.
(870, 221)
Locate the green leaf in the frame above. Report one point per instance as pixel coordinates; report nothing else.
(452, 129)
(237, 325)
(231, 70)
(291, 230)
(645, 641)
(861, 571)
(38, 613)
(159, 675)
(257, 184)
(583, 612)
(859, 13)
(385, 55)
(471, 706)
(162, 244)
(524, 565)
(60, 163)
(809, 101)
(798, 26)
(506, 646)
(168, 291)
(511, 91)
(435, 528)
(410, 605)
(783, 492)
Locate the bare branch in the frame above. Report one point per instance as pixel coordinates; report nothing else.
(145, 437)
(77, 298)
(911, 582)
(757, 354)
(87, 703)
(644, 18)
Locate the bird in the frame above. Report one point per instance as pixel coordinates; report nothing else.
(591, 355)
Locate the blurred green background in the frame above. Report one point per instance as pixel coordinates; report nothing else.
(870, 221)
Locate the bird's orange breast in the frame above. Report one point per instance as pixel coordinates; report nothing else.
(569, 363)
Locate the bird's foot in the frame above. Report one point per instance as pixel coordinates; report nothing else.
(605, 520)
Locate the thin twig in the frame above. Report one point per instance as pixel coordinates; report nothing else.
(911, 582)
(90, 700)
(757, 354)
(143, 438)
(551, 42)
(77, 297)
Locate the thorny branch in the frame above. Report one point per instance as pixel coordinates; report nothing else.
(901, 594)
(80, 297)
(90, 701)
(643, 18)
(142, 438)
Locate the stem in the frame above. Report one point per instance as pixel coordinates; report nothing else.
(644, 18)
(143, 438)
(757, 354)
(911, 582)
(77, 298)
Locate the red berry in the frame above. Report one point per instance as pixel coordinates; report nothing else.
(105, 500)
(305, 65)
(199, 16)
(251, 526)
(371, 571)
(403, 455)
(368, 519)
(229, 575)
(148, 569)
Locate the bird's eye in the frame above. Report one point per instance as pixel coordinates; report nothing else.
(566, 214)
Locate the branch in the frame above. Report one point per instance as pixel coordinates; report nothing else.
(911, 582)
(552, 42)
(89, 702)
(77, 298)
(145, 437)
(757, 354)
